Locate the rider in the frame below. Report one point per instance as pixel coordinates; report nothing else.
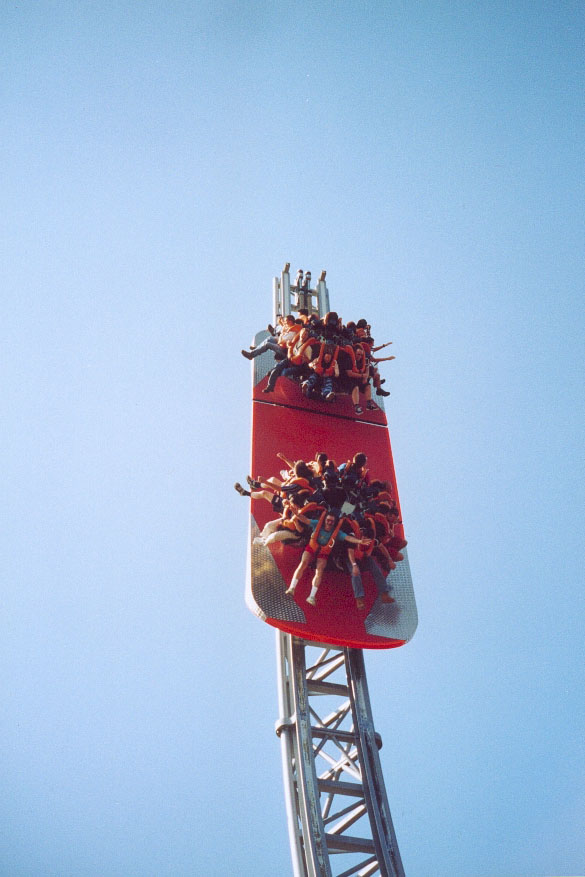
(287, 334)
(326, 532)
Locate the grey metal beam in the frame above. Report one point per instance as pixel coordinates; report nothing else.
(345, 742)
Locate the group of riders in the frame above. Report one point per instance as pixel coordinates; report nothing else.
(340, 518)
(327, 356)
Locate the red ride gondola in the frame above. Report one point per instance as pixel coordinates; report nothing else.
(286, 422)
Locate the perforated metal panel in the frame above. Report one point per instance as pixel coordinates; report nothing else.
(269, 586)
(397, 619)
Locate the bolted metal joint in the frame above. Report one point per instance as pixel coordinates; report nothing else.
(282, 724)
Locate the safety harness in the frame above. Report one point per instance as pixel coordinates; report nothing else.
(324, 550)
(320, 369)
(296, 353)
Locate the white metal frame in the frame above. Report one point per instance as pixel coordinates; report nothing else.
(333, 780)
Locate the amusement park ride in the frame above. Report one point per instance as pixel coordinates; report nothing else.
(338, 813)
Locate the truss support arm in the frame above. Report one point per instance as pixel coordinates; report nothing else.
(335, 795)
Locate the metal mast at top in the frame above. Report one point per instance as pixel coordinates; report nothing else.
(289, 297)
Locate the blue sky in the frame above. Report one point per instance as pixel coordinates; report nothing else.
(160, 163)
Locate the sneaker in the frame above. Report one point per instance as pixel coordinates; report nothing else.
(371, 405)
(271, 329)
(381, 392)
(360, 603)
(358, 409)
(247, 354)
(255, 485)
(290, 590)
(240, 489)
(311, 600)
(386, 598)
(330, 396)
(268, 390)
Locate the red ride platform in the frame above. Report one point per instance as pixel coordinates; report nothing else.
(290, 424)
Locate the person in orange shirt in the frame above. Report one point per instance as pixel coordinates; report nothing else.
(295, 364)
(288, 332)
